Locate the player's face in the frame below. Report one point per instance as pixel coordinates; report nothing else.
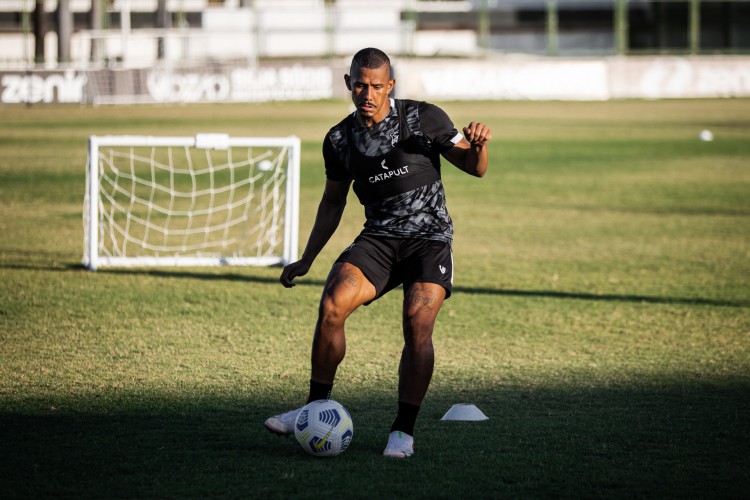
(370, 88)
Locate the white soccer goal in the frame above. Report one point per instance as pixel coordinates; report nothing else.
(207, 200)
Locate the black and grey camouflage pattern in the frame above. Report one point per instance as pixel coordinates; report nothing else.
(420, 213)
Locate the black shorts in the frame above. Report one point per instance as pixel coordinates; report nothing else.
(390, 262)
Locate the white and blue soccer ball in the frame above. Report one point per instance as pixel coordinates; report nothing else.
(324, 428)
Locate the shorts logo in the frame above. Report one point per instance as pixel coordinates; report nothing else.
(442, 269)
(349, 248)
(382, 165)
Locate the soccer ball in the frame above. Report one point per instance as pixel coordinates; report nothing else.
(324, 428)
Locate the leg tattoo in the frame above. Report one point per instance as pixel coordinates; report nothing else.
(422, 299)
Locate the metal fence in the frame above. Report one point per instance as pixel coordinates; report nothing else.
(601, 27)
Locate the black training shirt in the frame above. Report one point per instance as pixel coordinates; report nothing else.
(395, 166)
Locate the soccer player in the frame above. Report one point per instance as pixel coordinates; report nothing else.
(389, 150)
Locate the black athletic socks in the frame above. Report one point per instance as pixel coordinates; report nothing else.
(318, 391)
(405, 418)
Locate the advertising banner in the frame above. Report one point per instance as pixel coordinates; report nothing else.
(499, 79)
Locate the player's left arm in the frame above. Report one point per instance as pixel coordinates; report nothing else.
(470, 153)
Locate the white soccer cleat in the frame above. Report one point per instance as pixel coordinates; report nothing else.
(400, 445)
(283, 424)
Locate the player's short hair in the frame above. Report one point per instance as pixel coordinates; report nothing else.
(370, 58)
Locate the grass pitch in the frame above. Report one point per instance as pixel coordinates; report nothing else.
(600, 319)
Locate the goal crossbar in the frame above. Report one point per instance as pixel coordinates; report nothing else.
(207, 200)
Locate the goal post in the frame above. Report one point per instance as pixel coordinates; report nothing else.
(207, 200)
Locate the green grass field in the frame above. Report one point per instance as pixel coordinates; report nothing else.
(600, 319)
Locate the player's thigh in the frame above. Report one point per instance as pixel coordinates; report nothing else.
(422, 303)
(346, 289)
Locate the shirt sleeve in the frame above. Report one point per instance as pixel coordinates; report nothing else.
(438, 127)
(335, 170)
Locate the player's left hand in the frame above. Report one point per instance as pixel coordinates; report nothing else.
(477, 133)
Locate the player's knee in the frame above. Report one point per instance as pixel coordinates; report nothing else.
(418, 331)
(331, 314)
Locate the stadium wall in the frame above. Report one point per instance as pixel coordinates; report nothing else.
(526, 78)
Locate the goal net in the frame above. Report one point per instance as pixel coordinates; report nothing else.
(207, 200)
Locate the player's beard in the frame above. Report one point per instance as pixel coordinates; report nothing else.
(368, 111)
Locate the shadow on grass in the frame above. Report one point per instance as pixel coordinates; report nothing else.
(688, 439)
(459, 289)
(605, 297)
(551, 294)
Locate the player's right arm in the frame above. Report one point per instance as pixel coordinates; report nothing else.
(330, 210)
